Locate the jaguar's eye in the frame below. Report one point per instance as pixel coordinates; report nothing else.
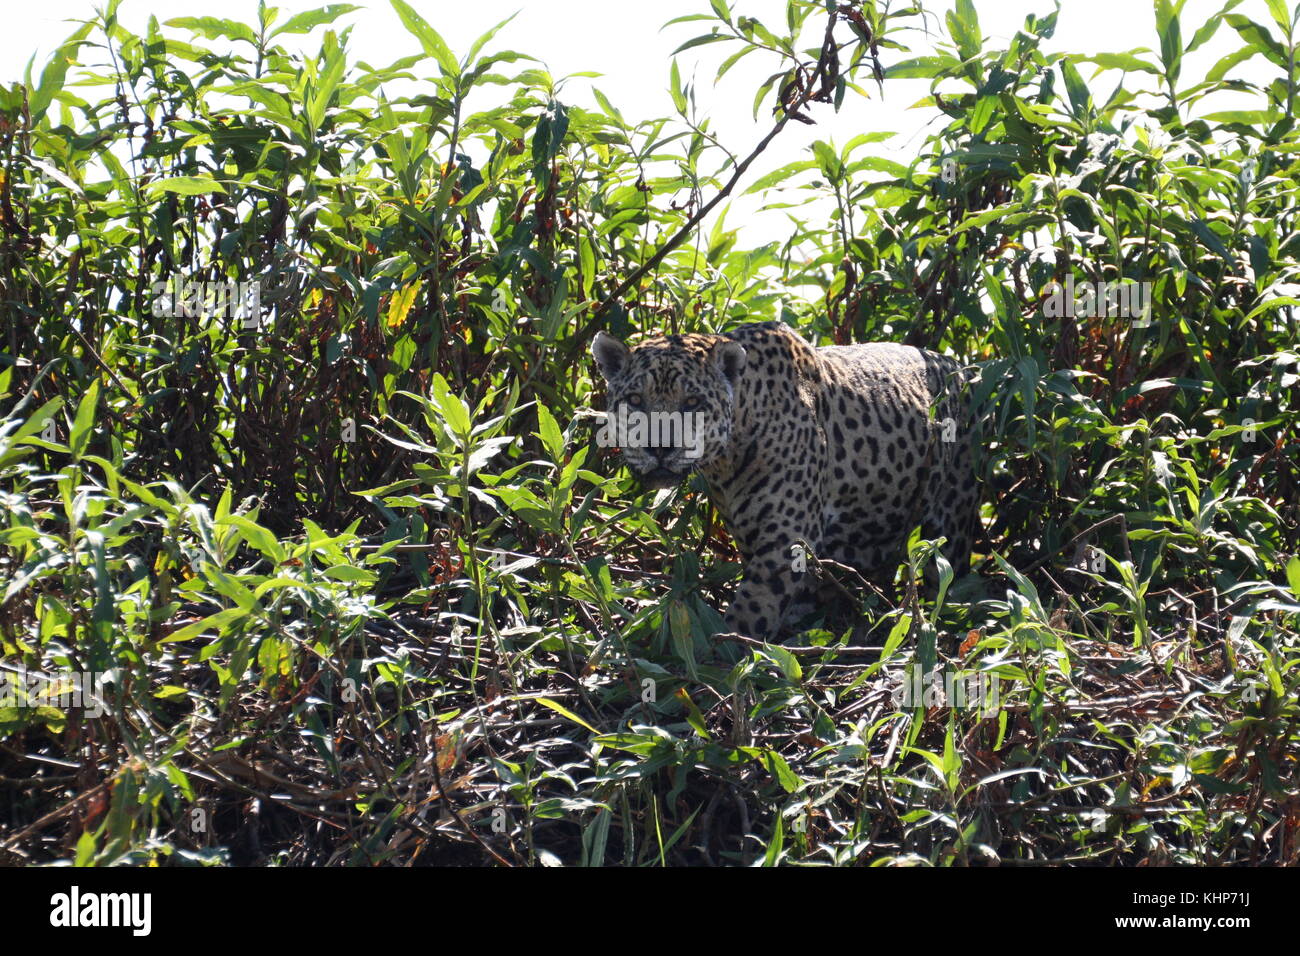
(692, 403)
(636, 401)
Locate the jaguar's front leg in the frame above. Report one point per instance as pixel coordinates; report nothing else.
(775, 577)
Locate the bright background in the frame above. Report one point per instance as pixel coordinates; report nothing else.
(623, 40)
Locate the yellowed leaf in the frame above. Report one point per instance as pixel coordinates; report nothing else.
(401, 303)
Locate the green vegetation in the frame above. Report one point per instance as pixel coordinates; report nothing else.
(359, 588)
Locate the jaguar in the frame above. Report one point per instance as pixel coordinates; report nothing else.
(840, 450)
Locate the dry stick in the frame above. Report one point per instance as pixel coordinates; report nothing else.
(806, 95)
(862, 582)
(451, 807)
(11, 843)
(100, 362)
(1077, 538)
(683, 232)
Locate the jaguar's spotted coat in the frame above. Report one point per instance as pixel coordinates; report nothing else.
(835, 446)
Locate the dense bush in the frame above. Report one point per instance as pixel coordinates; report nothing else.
(356, 585)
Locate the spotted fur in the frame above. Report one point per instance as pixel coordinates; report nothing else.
(835, 446)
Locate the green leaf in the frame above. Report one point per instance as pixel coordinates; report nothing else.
(549, 432)
(1259, 38)
(787, 662)
(1210, 27)
(984, 218)
(351, 573)
(964, 25)
(679, 626)
(587, 264)
(610, 109)
(85, 852)
(902, 627)
(1080, 98)
(983, 111)
(679, 97)
(1129, 62)
(36, 423)
(780, 769)
(326, 86)
(431, 41)
(308, 20)
(1280, 15)
(773, 854)
(259, 537)
(862, 139)
(84, 420)
(827, 160)
(694, 716)
(1171, 39)
(702, 40)
(218, 623)
(213, 28)
(454, 410)
(780, 175)
(732, 60)
(563, 712)
(187, 186)
(925, 67)
(1252, 118)
(483, 40)
(1220, 69)
(56, 71)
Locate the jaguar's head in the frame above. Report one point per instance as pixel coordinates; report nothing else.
(671, 402)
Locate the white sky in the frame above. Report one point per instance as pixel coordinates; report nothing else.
(622, 39)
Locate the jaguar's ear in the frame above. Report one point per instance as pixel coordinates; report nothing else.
(610, 354)
(728, 357)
